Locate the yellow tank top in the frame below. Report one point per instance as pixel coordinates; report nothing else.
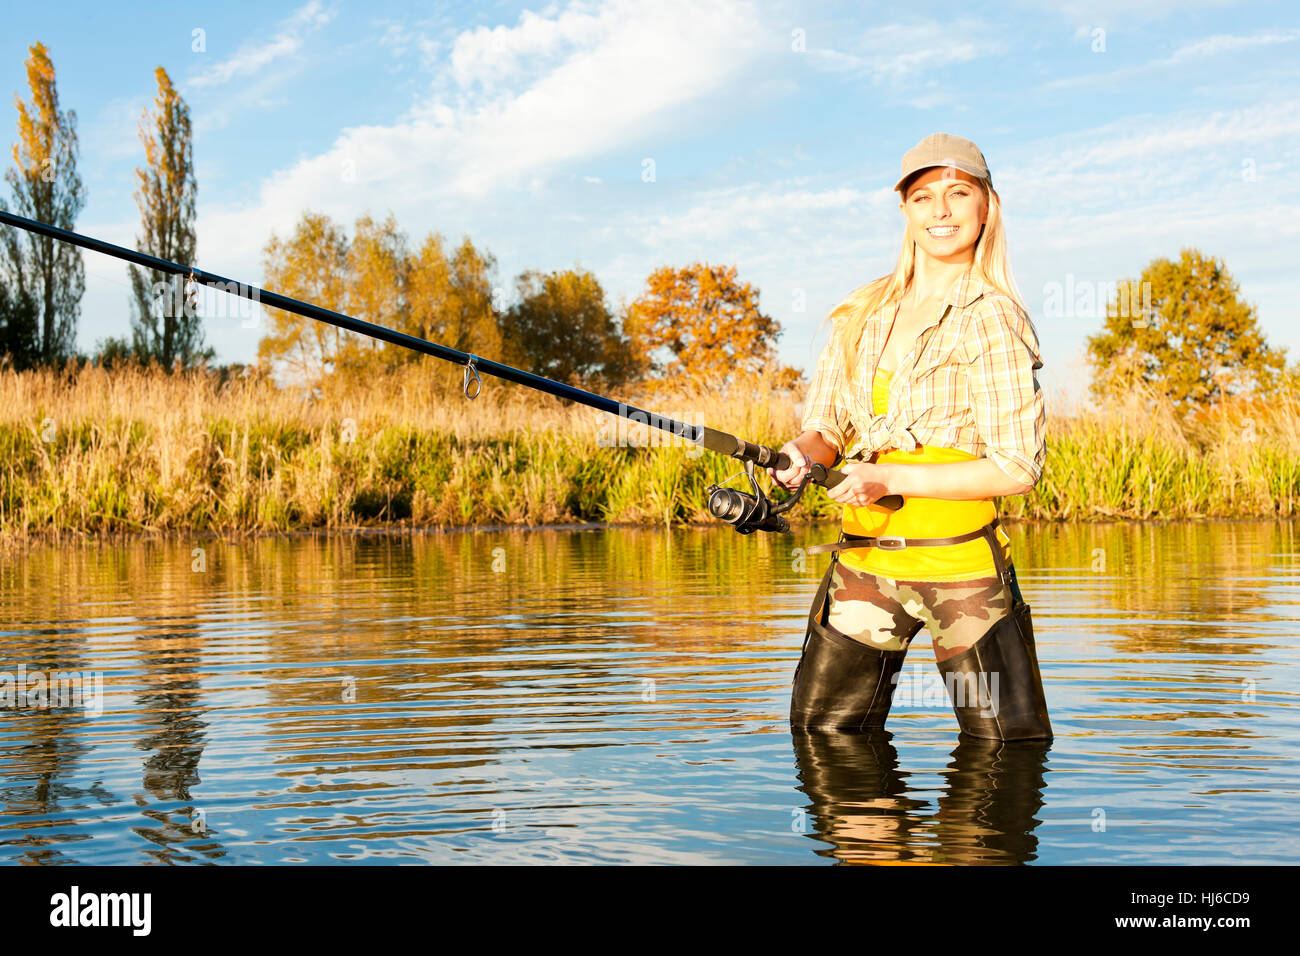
(923, 518)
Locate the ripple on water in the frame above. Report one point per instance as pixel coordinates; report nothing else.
(622, 697)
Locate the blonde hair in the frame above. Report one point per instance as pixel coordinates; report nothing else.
(849, 318)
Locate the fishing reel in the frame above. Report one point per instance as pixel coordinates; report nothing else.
(748, 513)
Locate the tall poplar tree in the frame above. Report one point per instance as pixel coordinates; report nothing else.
(46, 276)
(165, 328)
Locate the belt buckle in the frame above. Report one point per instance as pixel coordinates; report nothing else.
(891, 542)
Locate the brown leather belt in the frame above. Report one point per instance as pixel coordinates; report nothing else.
(890, 542)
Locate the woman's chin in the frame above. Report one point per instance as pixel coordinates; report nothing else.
(947, 251)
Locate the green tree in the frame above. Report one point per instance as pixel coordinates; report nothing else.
(1184, 330)
(164, 328)
(562, 328)
(46, 187)
(114, 352)
(19, 333)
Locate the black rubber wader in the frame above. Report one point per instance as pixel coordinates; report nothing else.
(840, 683)
(994, 685)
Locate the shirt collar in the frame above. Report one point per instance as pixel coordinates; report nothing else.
(965, 290)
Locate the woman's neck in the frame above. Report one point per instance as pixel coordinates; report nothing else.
(932, 278)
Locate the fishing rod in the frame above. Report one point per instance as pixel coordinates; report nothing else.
(746, 512)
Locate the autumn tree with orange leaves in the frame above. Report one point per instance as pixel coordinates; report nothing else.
(701, 326)
(375, 277)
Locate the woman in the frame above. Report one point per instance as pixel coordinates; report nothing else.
(931, 370)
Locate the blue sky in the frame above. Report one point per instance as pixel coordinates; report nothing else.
(1116, 132)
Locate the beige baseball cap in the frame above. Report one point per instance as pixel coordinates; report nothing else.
(944, 149)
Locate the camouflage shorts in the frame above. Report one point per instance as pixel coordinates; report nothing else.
(887, 613)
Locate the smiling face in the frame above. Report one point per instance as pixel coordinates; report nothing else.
(945, 209)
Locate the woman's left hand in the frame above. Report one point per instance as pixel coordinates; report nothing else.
(863, 483)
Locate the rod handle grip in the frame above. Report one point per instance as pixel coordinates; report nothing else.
(833, 478)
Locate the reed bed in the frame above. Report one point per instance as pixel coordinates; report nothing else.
(123, 451)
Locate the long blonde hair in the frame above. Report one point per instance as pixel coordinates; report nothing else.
(849, 318)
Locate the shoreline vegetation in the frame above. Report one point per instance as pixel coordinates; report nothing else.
(128, 451)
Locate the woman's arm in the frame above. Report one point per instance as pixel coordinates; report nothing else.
(956, 481)
(814, 447)
(826, 428)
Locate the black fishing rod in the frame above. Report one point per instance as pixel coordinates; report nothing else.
(745, 512)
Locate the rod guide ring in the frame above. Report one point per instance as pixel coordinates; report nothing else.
(471, 371)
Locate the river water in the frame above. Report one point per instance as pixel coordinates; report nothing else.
(621, 695)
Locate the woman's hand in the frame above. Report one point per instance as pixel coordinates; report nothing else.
(789, 478)
(863, 483)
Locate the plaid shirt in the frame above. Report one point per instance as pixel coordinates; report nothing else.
(968, 383)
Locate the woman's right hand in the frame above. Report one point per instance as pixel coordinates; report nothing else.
(790, 477)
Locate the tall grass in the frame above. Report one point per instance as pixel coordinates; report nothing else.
(137, 451)
(1138, 458)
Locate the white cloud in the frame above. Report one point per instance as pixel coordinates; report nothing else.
(614, 80)
(253, 57)
(1228, 43)
(1209, 47)
(896, 52)
(1086, 14)
(114, 131)
(489, 57)
(754, 212)
(1100, 204)
(1154, 150)
(421, 36)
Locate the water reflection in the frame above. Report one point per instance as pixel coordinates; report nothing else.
(44, 751)
(621, 695)
(170, 709)
(862, 805)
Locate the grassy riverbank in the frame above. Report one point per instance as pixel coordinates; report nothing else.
(129, 451)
